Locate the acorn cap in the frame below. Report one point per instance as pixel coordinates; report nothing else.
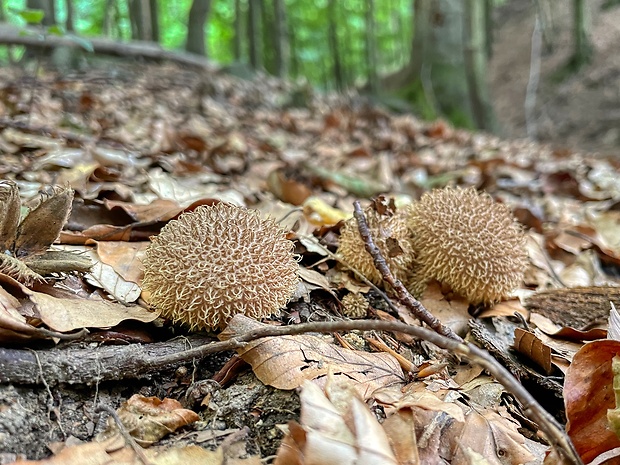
(217, 261)
(468, 241)
(390, 234)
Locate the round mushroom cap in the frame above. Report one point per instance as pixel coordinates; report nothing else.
(390, 234)
(467, 240)
(217, 261)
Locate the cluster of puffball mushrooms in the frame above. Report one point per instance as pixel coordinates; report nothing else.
(220, 260)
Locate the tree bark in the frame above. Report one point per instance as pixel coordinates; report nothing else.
(281, 40)
(154, 17)
(12, 35)
(91, 365)
(445, 76)
(141, 19)
(474, 38)
(238, 25)
(108, 17)
(294, 55)
(334, 44)
(582, 53)
(69, 23)
(198, 14)
(254, 34)
(371, 46)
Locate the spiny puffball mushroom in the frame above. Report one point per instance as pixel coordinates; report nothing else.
(468, 241)
(217, 261)
(391, 235)
(355, 305)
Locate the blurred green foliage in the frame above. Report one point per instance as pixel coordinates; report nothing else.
(307, 23)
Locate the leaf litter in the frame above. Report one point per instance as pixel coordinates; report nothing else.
(117, 157)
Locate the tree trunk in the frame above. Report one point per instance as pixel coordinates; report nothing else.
(141, 19)
(476, 51)
(108, 17)
(69, 23)
(238, 39)
(488, 27)
(198, 14)
(334, 45)
(154, 17)
(282, 46)
(254, 34)
(294, 55)
(582, 53)
(371, 46)
(445, 76)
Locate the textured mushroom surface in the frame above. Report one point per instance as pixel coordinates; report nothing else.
(390, 234)
(217, 261)
(468, 241)
(355, 305)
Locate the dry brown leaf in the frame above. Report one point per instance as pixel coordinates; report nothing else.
(157, 210)
(528, 344)
(451, 313)
(285, 362)
(43, 224)
(13, 326)
(330, 435)
(491, 436)
(113, 452)
(446, 430)
(64, 314)
(315, 279)
(400, 430)
(123, 257)
(148, 419)
(106, 277)
(9, 214)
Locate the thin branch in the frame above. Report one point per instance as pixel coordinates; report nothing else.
(128, 438)
(402, 293)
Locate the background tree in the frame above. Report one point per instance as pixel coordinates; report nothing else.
(582, 53)
(144, 20)
(280, 39)
(198, 14)
(255, 9)
(238, 30)
(371, 48)
(334, 44)
(446, 74)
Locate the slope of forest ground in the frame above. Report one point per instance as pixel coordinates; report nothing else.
(582, 110)
(140, 144)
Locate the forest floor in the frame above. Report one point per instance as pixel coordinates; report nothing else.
(141, 144)
(582, 110)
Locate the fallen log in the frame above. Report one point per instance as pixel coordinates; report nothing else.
(35, 38)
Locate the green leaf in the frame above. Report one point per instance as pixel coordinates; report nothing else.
(31, 16)
(56, 30)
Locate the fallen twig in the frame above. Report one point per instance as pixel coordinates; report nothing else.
(401, 292)
(123, 431)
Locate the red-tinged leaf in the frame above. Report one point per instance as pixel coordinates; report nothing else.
(588, 394)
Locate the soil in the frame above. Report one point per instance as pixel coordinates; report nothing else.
(581, 111)
(33, 417)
